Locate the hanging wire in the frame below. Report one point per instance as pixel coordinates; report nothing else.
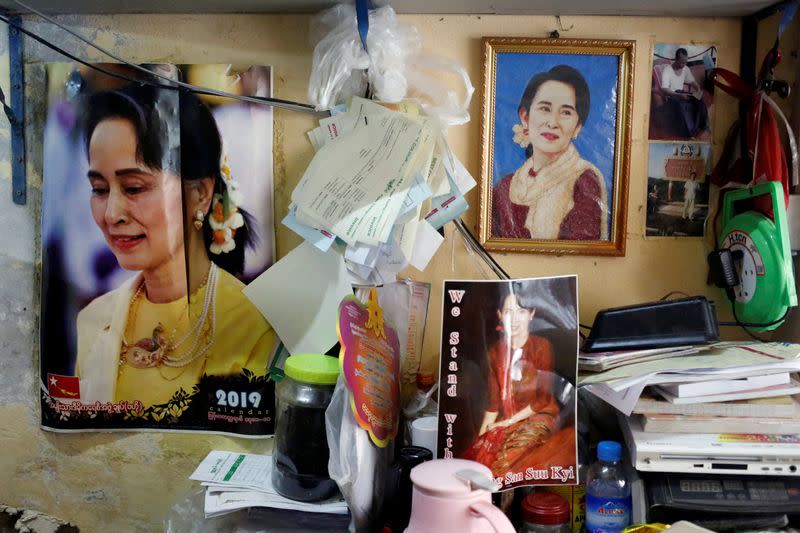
(171, 85)
(476, 246)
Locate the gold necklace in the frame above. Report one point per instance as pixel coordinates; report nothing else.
(156, 350)
(172, 344)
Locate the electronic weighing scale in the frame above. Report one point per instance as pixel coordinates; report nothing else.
(740, 499)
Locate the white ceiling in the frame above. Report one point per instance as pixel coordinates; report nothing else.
(676, 8)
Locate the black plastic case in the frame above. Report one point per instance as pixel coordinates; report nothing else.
(652, 325)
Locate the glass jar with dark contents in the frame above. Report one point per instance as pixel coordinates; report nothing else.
(300, 457)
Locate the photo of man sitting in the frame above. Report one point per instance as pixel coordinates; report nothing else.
(679, 104)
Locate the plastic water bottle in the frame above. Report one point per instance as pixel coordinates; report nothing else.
(608, 495)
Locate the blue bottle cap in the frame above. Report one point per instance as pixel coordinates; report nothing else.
(609, 450)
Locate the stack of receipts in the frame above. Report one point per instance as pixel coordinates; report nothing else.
(622, 386)
(383, 181)
(236, 481)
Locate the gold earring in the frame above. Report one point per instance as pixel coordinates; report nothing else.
(198, 219)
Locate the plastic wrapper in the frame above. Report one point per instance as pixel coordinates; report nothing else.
(391, 68)
(339, 61)
(357, 465)
(508, 366)
(405, 305)
(187, 516)
(439, 98)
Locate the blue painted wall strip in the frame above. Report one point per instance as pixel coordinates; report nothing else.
(17, 75)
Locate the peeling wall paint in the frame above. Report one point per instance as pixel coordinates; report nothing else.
(27, 521)
(129, 481)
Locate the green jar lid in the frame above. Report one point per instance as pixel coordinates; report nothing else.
(312, 368)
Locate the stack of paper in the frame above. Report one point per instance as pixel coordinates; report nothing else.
(382, 182)
(754, 392)
(600, 361)
(236, 481)
(772, 416)
(622, 386)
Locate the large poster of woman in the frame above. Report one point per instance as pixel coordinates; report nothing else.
(157, 210)
(556, 133)
(507, 378)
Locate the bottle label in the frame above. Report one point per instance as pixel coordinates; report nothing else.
(576, 497)
(607, 515)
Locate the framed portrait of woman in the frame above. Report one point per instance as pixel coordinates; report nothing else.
(555, 145)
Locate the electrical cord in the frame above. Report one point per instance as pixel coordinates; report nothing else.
(172, 85)
(754, 324)
(672, 293)
(746, 325)
(745, 328)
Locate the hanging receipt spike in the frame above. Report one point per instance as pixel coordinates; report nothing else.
(555, 33)
(560, 26)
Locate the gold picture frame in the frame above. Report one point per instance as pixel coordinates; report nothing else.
(554, 172)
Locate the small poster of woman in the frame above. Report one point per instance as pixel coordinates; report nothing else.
(507, 378)
(554, 130)
(155, 216)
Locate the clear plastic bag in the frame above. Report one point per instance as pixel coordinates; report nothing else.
(392, 66)
(186, 516)
(339, 62)
(355, 463)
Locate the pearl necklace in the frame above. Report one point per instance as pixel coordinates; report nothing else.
(155, 351)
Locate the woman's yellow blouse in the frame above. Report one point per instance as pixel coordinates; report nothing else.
(243, 339)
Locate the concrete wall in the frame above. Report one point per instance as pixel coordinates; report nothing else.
(127, 482)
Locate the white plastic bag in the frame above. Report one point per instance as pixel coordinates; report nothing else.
(395, 68)
(339, 60)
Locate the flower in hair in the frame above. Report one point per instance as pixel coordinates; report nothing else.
(225, 217)
(223, 227)
(231, 185)
(521, 135)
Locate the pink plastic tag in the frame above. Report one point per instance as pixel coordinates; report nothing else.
(370, 362)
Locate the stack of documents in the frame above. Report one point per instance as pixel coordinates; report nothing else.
(382, 182)
(723, 390)
(236, 481)
(600, 361)
(724, 371)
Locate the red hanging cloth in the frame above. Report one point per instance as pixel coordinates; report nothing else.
(764, 145)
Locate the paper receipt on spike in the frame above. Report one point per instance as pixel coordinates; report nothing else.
(356, 185)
